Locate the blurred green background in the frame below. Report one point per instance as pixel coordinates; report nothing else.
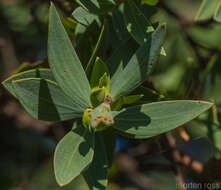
(188, 155)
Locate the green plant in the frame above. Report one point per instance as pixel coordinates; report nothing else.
(100, 108)
(209, 9)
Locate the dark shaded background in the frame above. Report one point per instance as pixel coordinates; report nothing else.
(191, 70)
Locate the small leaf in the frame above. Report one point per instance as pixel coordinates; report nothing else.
(217, 15)
(125, 100)
(44, 100)
(137, 24)
(69, 25)
(87, 117)
(149, 95)
(155, 118)
(98, 71)
(97, 6)
(73, 154)
(206, 10)
(34, 73)
(104, 82)
(65, 64)
(139, 66)
(213, 39)
(132, 99)
(84, 17)
(90, 5)
(117, 105)
(97, 96)
(96, 174)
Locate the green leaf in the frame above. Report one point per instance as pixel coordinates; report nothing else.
(139, 66)
(206, 10)
(97, 96)
(65, 64)
(104, 82)
(132, 99)
(149, 95)
(137, 24)
(84, 17)
(125, 100)
(217, 15)
(73, 154)
(34, 73)
(98, 71)
(117, 105)
(213, 39)
(96, 174)
(118, 72)
(121, 55)
(44, 100)
(69, 25)
(97, 6)
(155, 118)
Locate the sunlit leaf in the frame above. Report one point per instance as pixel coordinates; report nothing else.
(31, 73)
(206, 10)
(44, 100)
(64, 62)
(97, 6)
(139, 66)
(73, 154)
(125, 100)
(152, 119)
(84, 17)
(217, 15)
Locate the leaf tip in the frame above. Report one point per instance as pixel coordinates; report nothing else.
(61, 182)
(208, 104)
(3, 82)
